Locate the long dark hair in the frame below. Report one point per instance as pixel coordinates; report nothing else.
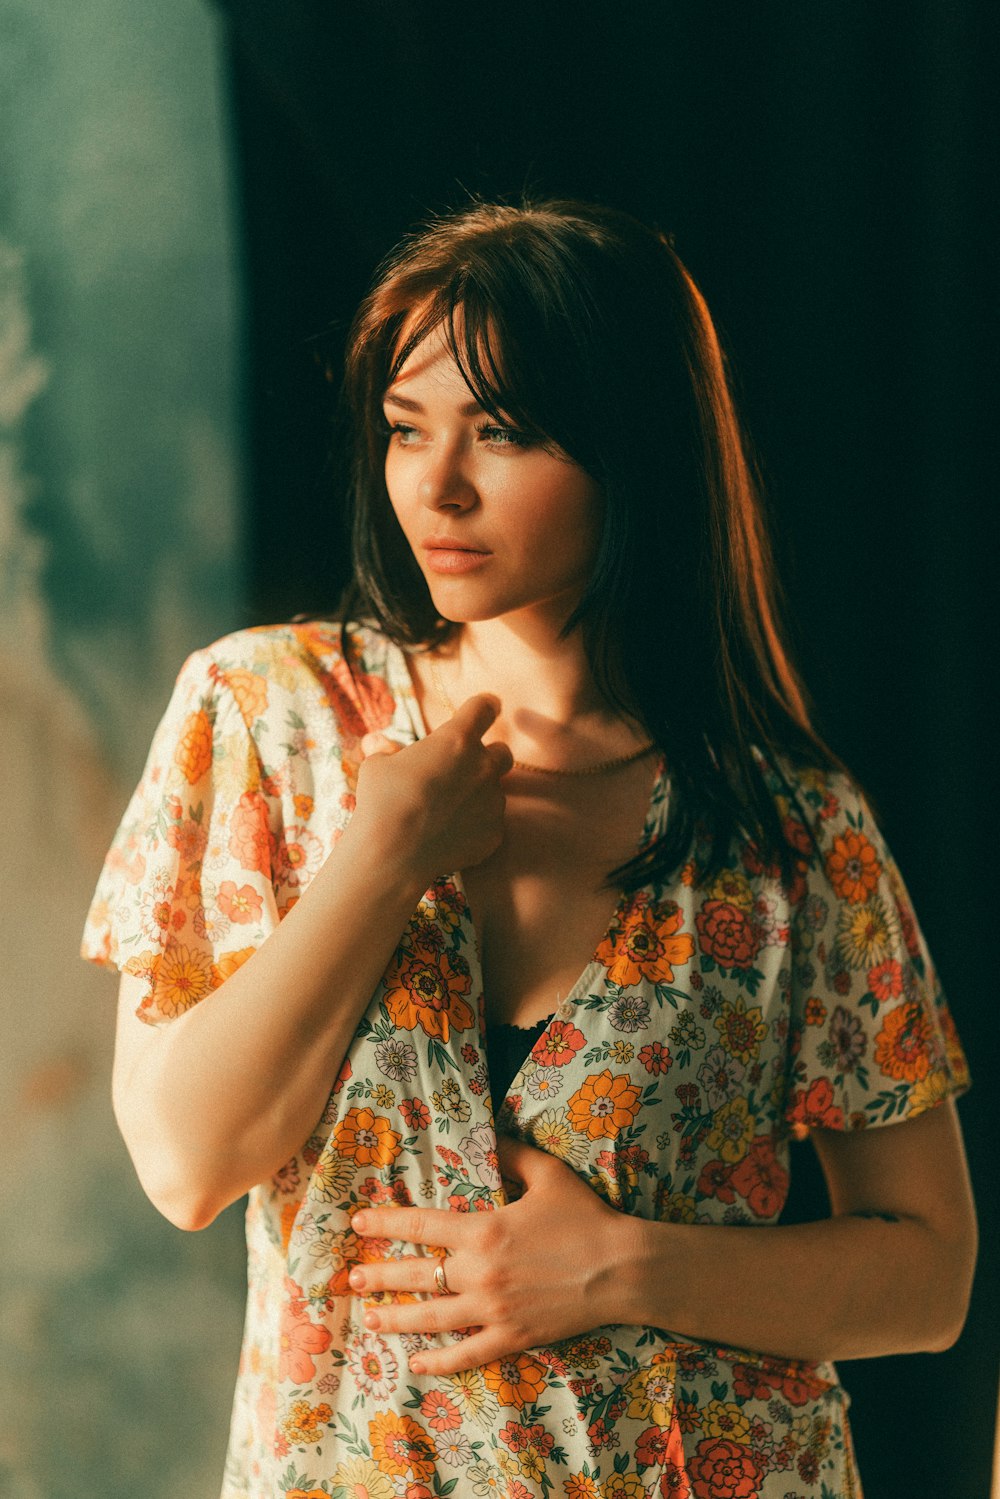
(581, 326)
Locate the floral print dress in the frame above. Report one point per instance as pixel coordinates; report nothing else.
(713, 1021)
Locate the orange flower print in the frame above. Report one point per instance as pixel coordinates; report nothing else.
(558, 1044)
(250, 838)
(183, 977)
(401, 1447)
(299, 1339)
(144, 965)
(305, 1422)
(424, 987)
(853, 867)
(646, 945)
(604, 1106)
(516, 1380)
(905, 1045)
(366, 1138)
(250, 691)
(243, 905)
(189, 838)
(194, 748)
(303, 806)
(728, 934)
(228, 963)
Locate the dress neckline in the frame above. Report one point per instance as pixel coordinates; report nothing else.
(404, 691)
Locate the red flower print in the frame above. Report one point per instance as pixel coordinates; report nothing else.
(721, 1469)
(416, 1114)
(815, 1108)
(799, 1386)
(885, 980)
(750, 1383)
(715, 1181)
(656, 1057)
(727, 934)
(674, 1483)
(299, 1339)
(599, 1436)
(761, 1179)
(653, 1446)
(557, 1045)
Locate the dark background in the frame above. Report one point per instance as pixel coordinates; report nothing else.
(827, 173)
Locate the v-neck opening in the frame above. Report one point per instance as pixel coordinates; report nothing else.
(567, 1003)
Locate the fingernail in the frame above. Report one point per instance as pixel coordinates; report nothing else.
(357, 1279)
(417, 1366)
(359, 1223)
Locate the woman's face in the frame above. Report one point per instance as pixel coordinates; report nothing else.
(497, 523)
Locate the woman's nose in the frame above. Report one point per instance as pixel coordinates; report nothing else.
(445, 483)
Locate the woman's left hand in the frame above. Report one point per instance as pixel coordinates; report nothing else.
(542, 1268)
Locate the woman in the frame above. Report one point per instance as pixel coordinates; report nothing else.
(499, 1195)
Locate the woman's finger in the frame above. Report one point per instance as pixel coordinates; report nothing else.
(413, 1272)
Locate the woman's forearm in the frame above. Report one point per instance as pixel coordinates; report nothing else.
(846, 1287)
(220, 1098)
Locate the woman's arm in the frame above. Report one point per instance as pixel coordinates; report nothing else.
(889, 1272)
(222, 1096)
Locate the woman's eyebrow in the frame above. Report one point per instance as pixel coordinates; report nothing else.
(472, 408)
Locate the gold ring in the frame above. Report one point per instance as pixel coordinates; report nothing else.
(440, 1284)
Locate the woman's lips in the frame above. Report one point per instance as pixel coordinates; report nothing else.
(455, 559)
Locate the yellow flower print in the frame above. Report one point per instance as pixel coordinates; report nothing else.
(305, 1422)
(740, 1030)
(552, 1131)
(606, 1104)
(361, 1479)
(732, 885)
(675, 1207)
(623, 1486)
(928, 1091)
(723, 1418)
(467, 1389)
(236, 768)
(732, 1130)
(652, 1395)
(866, 935)
(332, 1174)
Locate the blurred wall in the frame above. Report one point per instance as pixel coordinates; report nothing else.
(118, 554)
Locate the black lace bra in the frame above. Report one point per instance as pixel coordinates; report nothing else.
(508, 1046)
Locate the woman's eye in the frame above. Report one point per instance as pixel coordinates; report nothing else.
(400, 429)
(504, 436)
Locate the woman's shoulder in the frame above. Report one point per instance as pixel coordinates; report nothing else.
(810, 792)
(294, 667)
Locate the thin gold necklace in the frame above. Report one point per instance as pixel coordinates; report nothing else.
(546, 770)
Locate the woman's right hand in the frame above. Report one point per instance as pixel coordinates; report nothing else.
(437, 803)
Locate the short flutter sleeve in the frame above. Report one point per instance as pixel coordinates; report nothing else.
(186, 895)
(872, 1038)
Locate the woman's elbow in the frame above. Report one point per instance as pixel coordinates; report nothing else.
(953, 1286)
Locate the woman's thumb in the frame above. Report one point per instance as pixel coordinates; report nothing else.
(377, 743)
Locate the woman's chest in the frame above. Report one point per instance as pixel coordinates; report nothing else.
(541, 904)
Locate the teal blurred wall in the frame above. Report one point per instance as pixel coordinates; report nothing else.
(119, 552)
